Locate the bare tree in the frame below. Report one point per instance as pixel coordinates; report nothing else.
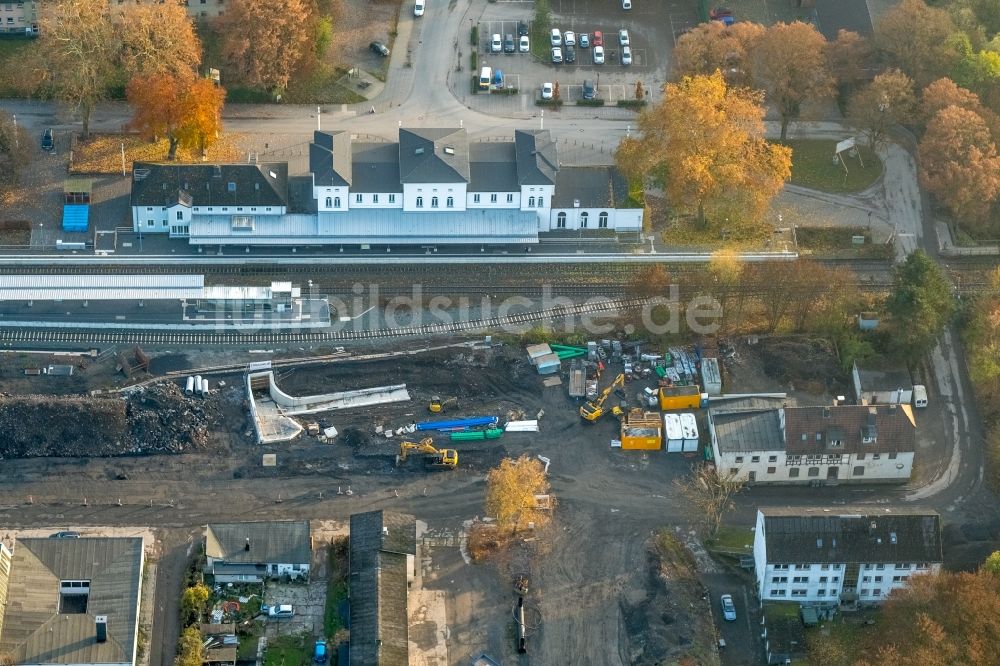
(710, 493)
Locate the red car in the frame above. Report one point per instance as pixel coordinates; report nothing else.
(598, 38)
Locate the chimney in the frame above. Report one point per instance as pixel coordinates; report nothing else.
(101, 634)
(246, 546)
(826, 412)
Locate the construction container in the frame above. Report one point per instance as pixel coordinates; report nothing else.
(189, 386)
(534, 351)
(672, 433)
(577, 380)
(681, 397)
(711, 378)
(689, 431)
(548, 364)
(642, 431)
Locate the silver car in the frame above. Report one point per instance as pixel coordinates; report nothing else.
(728, 608)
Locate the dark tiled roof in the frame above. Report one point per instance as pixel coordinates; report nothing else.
(330, 158)
(433, 155)
(379, 545)
(34, 631)
(271, 542)
(894, 429)
(593, 187)
(376, 168)
(818, 536)
(155, 184)
(537, 158)
(493, 167)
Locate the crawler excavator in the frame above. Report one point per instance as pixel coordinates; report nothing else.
(593, 410)
(436, 458)
(437, 405)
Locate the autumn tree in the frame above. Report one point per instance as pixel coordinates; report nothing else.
(704, 144)
(889, 100)
(194, 599)
(944, 93)
(937, 619)
(159, 38)
(713, 46)
(185, 110)
(264, 43)
(789, 63)
(511, 491)
(915, 38)
(920, 305)
(959, 163)
(190, 650)
(710, 493)
(979, 71)
(14, 145)
(848, 57)
(79, 52)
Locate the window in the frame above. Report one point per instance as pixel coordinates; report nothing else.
(739, 459)
(800, 579)
(602, 220)
(781, 567)
(779, 579)
(798, 593)
(336, 202)
(149, 223)
(865, 591)
(866, 579)
(434, 202)
(531, 202)
(879, 567)
(450, 202)
(755, 459)
(358, 198)
(561, 221)
(777, 593)
(493, 198)
(877, 592)
(892, 456)
(822, 579)
(180, 215)
(802, 567)
(772, 459)
(878, 579)
(771, 470)
(475, 198)
(793, 472)
(861, 456)
(268, 209)
(73, 596)
(902, 565)
(820, 593)
(541, 201)
(859, 470)
(510, 198)
(240, 209)
(923, 565)
(392, 198)
(329, 202)
(734, 470)
(374, 198)
(814, 471)
(583, 219)
(420, 202)
(231, 186)
(876, 456)
(149, 209)
(835, 579)
(825, 567)
(899, 579)
(837, 566)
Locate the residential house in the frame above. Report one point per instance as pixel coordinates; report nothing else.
(881, 386)
(762, 444)
(220, 644)
(253, 552)
(196, 9)
(841, 555)
(73, 602)
(431, 187)
(19, 18)
(383, 560)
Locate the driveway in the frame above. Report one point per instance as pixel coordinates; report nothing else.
(742, 637)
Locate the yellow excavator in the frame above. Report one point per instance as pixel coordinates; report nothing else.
(437, 458)
(593, 410)
(437, 405)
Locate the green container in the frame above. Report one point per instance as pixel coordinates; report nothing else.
(661, 372)
(494, 433)
(468, 436)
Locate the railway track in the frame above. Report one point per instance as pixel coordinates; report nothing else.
(236, 338)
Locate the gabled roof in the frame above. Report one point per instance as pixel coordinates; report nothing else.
(330, 158)
(537, 159)
(376, 168)
(433, 155)
(379, 545)
(34, 631)
(839, 535)
(893, 428)
(271, 542)
(493, 167)
(591, 186)
(156, 184)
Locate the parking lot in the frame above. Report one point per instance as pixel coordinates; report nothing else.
(651, 30)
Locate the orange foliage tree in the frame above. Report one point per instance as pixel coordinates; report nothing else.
(184, 110)
(914, 37)
(159, 38)
(712, 46)
(264, 43)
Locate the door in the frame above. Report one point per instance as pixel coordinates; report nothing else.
(832, 472)
(752, 477)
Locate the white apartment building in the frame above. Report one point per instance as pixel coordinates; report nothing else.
(763, 444)
(842, 556)
(431, 187)
(19, 18)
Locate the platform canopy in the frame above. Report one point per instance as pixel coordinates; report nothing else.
(100, 287)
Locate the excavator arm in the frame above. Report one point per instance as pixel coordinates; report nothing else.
(446, 458)
(594, 410)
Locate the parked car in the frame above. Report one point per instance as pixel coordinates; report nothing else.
(522, 28)
(497, 79)
(319, 653)
(584, 40)
(589, 91)
(623, 37)
(728, 608)
(509, 45)
(379, 48)
(569, 38)
(47, 141)
(626, 55)
(496, 44)
(525, 44)
(626, 4)
(281, 610)
(547, 90)
(557, 54)
(598, 55)
(598, 39)
(65, 535)
(418, 8)
(556, 37)
(570, 54)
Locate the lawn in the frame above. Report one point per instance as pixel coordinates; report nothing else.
(813, 167)
(289, 651)
(839, 241)
(732, 539)
(102, 153)
(13, 51)
(336, 587)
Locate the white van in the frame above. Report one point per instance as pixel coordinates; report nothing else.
(919, 396)
(485, 76)
(418, 8)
